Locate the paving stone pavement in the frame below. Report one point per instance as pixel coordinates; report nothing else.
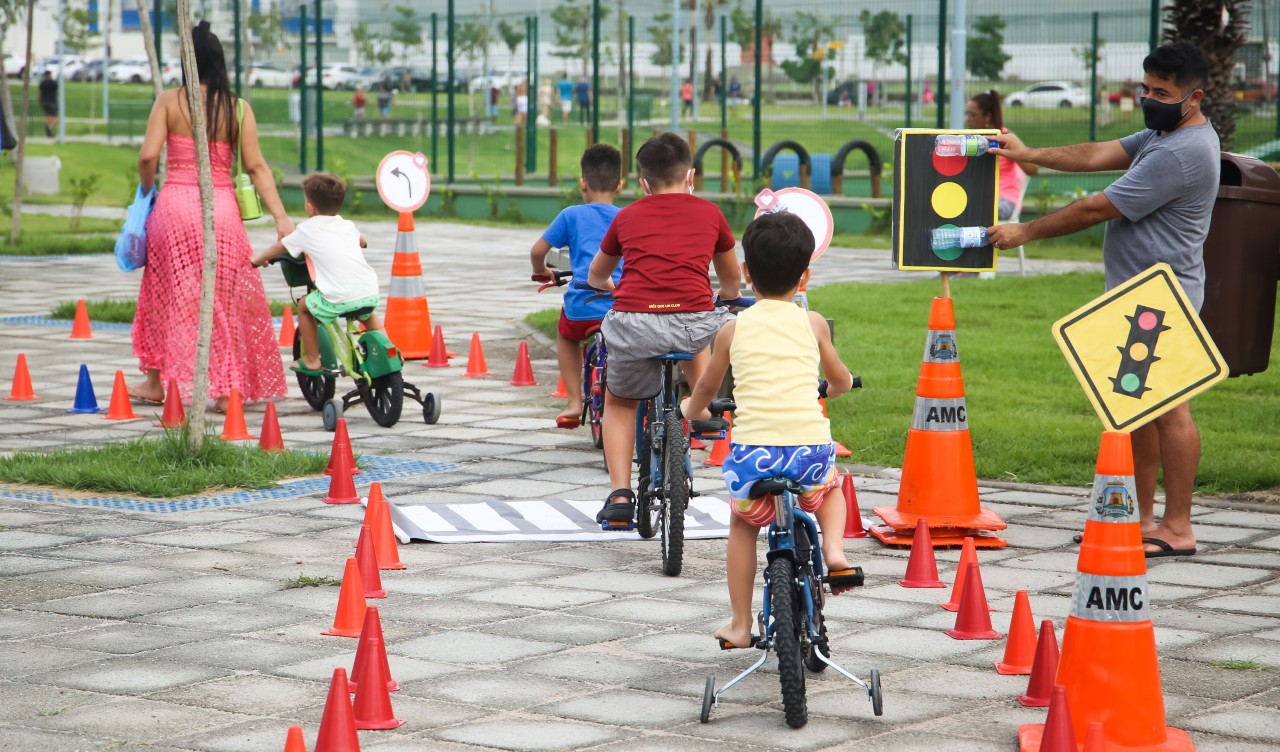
(128, 629)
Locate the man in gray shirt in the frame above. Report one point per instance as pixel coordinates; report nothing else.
(1158, 211)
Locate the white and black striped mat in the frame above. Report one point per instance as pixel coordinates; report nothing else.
(538, 520)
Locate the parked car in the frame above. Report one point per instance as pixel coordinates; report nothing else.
(1050, 94)
(131, 70)
(845, 91)
(92, 71)
(269, 75)
(405, 78)
(13, 65)
(504, 80)
(71, 65)
(338, 76)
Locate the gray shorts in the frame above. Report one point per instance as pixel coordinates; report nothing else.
(635, 339)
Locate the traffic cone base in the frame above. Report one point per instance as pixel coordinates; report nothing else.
(85, 401)
(21, 391)
(922, 567)
(1020, 648)
(842, 450)
(476, 367)
(973, 620)
(349, 617)
(287, 327)
(523, 374)
(1031, 738)
(372, 701)
(271, 440)
(234, 428)
(121, 408)
(439, 357)
(338, 724)
(942, 537)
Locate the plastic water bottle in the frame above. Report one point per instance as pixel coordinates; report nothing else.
(962, 145)
(944, 238)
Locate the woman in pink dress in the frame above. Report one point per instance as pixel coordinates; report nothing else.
(244, 354)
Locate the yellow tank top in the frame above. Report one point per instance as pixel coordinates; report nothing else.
(775, 360)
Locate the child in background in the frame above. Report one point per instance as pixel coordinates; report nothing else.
(580, 228)
(776, 349)
(667, 240)
(344, 280)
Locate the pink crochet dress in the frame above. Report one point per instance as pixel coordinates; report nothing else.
(244, 354)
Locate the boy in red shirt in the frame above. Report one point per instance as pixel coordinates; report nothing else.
(663, 302)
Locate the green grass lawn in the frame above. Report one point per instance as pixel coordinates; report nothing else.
(121, 311)
(44, 235)
(159, 467)
(1029, 418)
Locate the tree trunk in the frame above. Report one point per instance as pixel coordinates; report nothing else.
(157, 74)
(15, 231)
(209, 271)
(5, 98)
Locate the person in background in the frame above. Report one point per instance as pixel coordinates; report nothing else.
(49, 102)
(358, 101)
(584, 102)
(735, 90)
(983, 112)
(384, 100)
(522, 104)
(686, 98)
(565, 89)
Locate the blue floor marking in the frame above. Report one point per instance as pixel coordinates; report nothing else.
(376, 469)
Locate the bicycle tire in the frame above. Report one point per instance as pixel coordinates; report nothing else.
(593, 391)
(786, 637)
(316, 390)
(675, 493)
(647, 511)
(384, 398)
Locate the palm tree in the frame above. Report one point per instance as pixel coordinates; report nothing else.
(1217, 27)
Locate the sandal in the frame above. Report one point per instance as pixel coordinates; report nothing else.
(618, 514)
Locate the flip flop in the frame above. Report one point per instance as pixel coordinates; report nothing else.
(568, 421)
(1166, 549)
(145, 400)
(299, 368)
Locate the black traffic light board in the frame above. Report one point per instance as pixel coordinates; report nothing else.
(1138, 352)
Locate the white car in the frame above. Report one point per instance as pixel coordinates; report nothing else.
(504, 80)
(338, 76)
(1050, 94)
(71, 64)
(269, 75)
(137, 70)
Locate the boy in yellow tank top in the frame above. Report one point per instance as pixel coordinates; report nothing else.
(776, 349)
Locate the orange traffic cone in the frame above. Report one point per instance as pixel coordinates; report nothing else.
(21, 391)
(408, 320)
(439, 357)
(233, 428)
(1020, 648)
(338, 724)
(287, 328)
(342, 488)
(121, 408)
(295, 742)
(373, 701)
(973, 621)
(367, 651)
(1095, 740)
(368, 561)
(1059, 734)
(271, 440)
(174, 415)
(938, 479)
(1109, 664)
(370, 511)
(80, 327)
(968, 555)
(853, 527)
(720, 447)
(350, 614)
(384, 536)
(922, 567)
(560, 390)
(341, 446)
(1043, 669)
(476, 366)
(523, 375)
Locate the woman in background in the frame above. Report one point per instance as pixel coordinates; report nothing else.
(983, 113)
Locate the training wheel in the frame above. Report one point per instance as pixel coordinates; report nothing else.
(430, 408)
(708, 698)
(331, 412)
(873, 689)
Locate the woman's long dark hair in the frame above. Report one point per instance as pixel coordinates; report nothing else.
(211, 66)
(988, 103)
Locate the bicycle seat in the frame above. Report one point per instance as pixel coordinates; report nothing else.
(773, 486)
(675, 356)
(359, 314)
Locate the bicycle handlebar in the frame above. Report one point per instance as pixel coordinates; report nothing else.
(718, 407)
(557, 278)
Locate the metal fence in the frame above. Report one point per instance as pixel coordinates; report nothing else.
(447, 77)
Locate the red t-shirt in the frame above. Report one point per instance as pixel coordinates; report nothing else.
(666, 242)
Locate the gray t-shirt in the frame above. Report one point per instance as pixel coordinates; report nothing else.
(1165, 199)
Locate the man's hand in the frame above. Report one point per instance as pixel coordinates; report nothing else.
(1009, 235)
(1011, 147)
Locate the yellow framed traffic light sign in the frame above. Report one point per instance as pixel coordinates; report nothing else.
(932, 192)
(1139, 350)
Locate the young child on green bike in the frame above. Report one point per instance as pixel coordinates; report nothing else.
(776, 349)
(581, 228)
(666, 241)
(344, 280)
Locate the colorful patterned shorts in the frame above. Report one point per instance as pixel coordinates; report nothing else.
(813, 467)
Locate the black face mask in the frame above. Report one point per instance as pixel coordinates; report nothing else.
(1163, 116)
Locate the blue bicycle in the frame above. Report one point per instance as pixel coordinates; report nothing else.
(594, 355)
(791, 621)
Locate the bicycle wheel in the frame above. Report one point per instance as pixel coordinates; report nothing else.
(675, 493)
(593, 392)
(786, 637)
(384, 398)
(646, 510)
(316, 390)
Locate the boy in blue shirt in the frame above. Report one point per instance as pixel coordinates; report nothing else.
(581, 228)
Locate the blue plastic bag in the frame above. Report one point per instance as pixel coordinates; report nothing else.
(131, 246)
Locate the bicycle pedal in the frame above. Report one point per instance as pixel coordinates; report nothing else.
(617, 527)
(844, 578)
(715, 436)
(724, 644)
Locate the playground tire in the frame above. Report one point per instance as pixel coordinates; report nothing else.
(646, 510)
(708, 698)
(786, 637)
(675, 488)
(316, 390)
(330, 413)
(877, 699)
(430, 408)
(384, 398)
